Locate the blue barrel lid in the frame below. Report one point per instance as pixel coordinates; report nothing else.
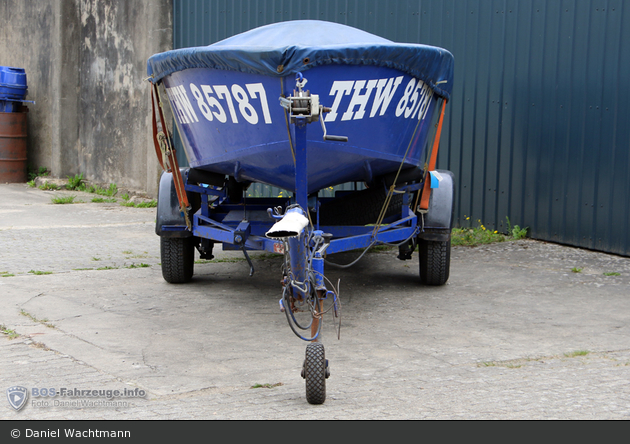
(12, 83)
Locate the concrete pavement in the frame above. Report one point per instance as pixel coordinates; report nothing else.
(515, 334)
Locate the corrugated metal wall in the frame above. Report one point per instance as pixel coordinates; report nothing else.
(538, 129)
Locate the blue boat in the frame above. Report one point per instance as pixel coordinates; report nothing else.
(383, 95)
(304, 106)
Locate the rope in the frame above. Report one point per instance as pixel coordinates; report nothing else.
(390, 192)
(286, 120)
(353, 262)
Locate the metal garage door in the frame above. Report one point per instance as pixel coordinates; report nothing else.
(537, 129)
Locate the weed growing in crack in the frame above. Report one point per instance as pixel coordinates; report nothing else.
(12, 334)
(40, 273)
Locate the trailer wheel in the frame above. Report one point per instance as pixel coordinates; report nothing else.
(315, 373)
(178, 258)
(435, 261)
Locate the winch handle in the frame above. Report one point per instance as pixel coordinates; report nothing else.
(322, 110)
(336, 138)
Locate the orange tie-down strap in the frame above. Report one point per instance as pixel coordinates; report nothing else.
(426, 190)
(166, 153)
(155, 110)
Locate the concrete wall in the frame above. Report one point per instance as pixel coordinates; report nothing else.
(85, 62)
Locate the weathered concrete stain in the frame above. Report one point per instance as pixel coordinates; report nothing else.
(86, 61)
(105, 34)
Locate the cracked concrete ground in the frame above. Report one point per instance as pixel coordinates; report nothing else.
(515, 334)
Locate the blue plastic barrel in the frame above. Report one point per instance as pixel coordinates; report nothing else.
(13, 88)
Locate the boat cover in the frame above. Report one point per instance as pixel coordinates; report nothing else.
(286, 48)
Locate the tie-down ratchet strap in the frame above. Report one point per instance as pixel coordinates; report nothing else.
(426, 191)
(166, 153)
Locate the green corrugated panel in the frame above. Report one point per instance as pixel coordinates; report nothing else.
(537, 127)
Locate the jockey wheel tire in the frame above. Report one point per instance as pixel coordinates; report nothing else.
(315, 373)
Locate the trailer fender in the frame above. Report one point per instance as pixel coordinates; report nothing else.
(168, 212)
(438, 221)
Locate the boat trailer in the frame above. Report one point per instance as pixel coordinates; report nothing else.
(198, 209)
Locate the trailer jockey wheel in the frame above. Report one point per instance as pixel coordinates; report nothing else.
(315, 372)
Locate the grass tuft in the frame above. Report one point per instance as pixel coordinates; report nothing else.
(266, 385)
(472, 237)
(7, 331)
(34, 319)
(74, 182)
(110, 191)
(480, 235)
(48, 186)
(34, 173)
(63, 200)
(40, 273)
(140, 265)
(575, 353)
(103, 200)
(149, 204)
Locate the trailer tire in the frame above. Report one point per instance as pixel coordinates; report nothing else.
(435, 261)
(178, 258)
(359, 208)
(315, 373)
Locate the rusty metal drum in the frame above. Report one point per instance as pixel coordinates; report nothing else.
(13, 137)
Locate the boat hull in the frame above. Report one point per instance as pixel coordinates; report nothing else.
(232, 123)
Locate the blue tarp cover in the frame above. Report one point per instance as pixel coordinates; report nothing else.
(285, 48)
